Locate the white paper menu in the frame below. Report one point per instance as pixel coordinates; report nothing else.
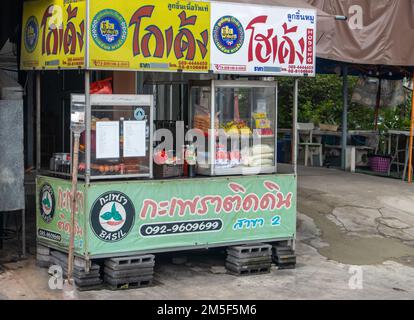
(134, 138)
(107, 139)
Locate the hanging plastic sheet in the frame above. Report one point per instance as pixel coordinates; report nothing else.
(366, 90)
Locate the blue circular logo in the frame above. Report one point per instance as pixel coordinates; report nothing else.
(228, 34)
(31, 34)
(109, 30)
(139, 114)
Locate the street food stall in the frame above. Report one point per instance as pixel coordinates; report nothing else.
(148, 182)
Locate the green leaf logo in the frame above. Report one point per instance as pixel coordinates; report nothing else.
(46, 202)
(113, 214)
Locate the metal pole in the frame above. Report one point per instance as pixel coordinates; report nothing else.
(212, 135)
(276, 123)
(30, 117)
(295, 127)
(75, 164)
(88, 116)
(38, 122)
(410, 147)
(344, 115)
(377, 104)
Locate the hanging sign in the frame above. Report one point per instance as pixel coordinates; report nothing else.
(53, 34)
(171, 36)
(262, 40)
(149, 35)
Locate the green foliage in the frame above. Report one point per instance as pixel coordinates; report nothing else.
(320, 101)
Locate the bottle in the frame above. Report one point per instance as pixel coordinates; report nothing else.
(191, 159)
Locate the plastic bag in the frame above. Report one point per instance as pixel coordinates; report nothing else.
(102, 86)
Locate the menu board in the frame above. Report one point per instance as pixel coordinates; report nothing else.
(134, 139)
(107, 139)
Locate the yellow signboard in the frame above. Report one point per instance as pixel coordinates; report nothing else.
(54, 34)
(149, 35)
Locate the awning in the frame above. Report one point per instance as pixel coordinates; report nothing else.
(382, 37)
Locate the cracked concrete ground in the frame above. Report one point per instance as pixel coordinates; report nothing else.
(355, 240)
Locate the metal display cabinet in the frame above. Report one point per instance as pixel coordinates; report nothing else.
(246, 111)
(119, 120)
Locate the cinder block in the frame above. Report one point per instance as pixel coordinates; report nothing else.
(279, 250)
(81, 274)
(61, 259)
(128, 283)
(141, 272)
(248, 270)
(87, 282)
(249, 261)
(59, 255)
(284, 259)
(80, 263)
(250, 251)
(42, 250)
(43, 258)
(287, 266)
(117, 264)
(133, 259)
(91, 288)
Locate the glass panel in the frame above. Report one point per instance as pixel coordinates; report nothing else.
(120, 141)
(247, 119)
(201, 118)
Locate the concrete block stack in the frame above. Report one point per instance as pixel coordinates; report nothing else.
(43, 257)
(284, 257)
(249, 259)
(129, 272)
(84, 281)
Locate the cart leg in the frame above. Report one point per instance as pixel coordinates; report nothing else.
(292, 244)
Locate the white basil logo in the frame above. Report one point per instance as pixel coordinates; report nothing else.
(47, 203)
(112, 216)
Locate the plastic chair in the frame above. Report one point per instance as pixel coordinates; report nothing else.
(305, 135)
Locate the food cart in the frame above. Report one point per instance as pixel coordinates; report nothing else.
(135, 192)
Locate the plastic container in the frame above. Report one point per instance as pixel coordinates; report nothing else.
(379, 164)
(167, 171)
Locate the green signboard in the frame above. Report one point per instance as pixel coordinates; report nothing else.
(122, 217)
(53, 207)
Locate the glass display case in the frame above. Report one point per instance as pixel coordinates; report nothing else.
(239, 121)
(121, 137)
